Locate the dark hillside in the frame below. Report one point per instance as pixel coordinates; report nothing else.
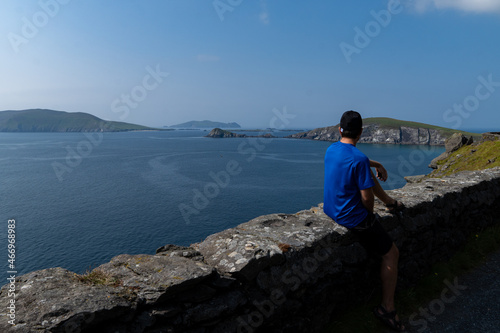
(42, 120)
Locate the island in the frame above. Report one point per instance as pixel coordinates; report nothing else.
(220, 133)
(43, 120)
(389, 131)
(195, 124)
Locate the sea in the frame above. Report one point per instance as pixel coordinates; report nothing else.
(75, 200)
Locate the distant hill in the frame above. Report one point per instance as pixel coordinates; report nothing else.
(206, 124)
(388, 130)
(42, 120)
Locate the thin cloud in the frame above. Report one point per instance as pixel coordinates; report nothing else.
(476, 6)
(264, 13)
(207, 58)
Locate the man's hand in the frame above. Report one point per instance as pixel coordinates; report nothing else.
(381, 171)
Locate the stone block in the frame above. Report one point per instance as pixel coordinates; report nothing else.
(153, 277)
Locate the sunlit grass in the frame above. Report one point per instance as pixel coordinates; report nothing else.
(98, 277)
(395, 123)
(470, 158)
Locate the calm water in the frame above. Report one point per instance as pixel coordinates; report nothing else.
(126, 193)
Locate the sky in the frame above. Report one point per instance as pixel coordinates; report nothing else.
(164, 62)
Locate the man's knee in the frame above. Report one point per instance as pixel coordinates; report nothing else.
(393, 254)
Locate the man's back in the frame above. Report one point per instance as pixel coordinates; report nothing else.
(347, 171)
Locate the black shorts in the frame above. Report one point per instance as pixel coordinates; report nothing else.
(372, 235)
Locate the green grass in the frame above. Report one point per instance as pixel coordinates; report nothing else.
(361, 319)
(469, 158)
(98, 277)
(395, 123)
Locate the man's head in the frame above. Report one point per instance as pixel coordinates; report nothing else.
(351, 124)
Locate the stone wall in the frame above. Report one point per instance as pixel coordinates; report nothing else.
(275, 273)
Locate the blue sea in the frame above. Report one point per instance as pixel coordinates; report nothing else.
(80, 199)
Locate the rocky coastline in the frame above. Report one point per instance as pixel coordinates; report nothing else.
(373, 132)
(376, 133)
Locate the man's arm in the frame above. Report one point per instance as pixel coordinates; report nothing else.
(381, 171)
(368, 199)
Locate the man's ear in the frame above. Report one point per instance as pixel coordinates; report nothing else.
(361, 132)
(340, 131)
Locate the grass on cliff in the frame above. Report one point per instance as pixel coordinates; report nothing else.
(98, 277)
(468, 158)
(395, 123)
(473, 254)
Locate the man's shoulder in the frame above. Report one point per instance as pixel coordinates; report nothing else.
(346, 148)
(334, 145)
(340, 146)
(359, 153)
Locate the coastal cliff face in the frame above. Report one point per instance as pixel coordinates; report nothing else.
(374, 133)
(275, 273)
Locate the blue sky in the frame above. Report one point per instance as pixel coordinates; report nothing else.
(161, 62)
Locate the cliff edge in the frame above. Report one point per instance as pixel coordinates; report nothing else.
(388, 131)
(464, 154)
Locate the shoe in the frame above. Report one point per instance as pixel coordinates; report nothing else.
(388, 318)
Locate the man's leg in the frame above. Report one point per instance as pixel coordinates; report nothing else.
(389, 265)
(389, 277)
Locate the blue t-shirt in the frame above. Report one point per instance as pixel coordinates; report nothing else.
(347, 171)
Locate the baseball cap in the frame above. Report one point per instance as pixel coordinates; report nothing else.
(351, 121)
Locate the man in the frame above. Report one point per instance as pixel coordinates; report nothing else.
(350, 187)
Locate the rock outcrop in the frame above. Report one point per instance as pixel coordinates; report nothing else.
(375, 133)
(220, 133)
(464, 155)
(491, 136)
(275, 273)
(451, 144)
